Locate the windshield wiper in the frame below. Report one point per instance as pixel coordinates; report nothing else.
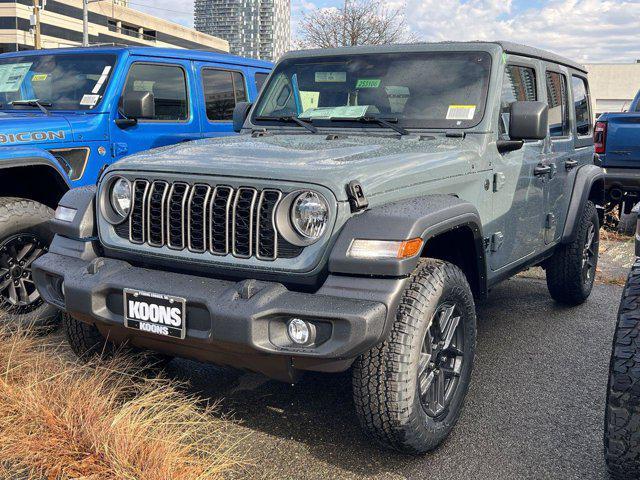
(382, 121)
(290, 118)
(34, 103)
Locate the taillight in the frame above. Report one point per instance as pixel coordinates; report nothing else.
(600, 136)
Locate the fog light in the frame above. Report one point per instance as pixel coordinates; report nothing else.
(299, 331)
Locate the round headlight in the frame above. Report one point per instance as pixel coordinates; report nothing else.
(309, 214)
(121, 197)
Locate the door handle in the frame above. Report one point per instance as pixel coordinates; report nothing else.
(569, 164)
(541, 169)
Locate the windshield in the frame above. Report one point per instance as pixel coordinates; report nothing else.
(59, 82)
(421, 90)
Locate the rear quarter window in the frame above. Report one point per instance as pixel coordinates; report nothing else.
(581, 105)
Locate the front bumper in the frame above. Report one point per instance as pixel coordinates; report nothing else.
(242, 324)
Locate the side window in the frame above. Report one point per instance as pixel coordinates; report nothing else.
(581, 105)
(167, 83)
(260, 79)
(557, 99)
(519, 85)
(222, 90)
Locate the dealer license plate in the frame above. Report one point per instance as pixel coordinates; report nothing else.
(155, 313)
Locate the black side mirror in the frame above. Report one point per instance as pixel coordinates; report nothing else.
(240, 114)
(135, 106)
(528, 121)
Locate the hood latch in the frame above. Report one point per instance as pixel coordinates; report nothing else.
(357, 198)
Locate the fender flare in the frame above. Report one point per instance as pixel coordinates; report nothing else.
(423, 217)
(12, 157)
(588, 184)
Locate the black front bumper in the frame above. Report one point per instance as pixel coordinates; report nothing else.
(242, 324)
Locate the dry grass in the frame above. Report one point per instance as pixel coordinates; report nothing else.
(65, 420)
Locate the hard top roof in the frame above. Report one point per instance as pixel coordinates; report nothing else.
(508, 47)
(156, 52)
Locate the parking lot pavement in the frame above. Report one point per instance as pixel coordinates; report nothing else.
(534, 410)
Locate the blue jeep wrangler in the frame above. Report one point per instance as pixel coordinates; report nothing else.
(65, 114)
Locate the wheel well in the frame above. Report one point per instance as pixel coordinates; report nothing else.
(36, 182)
(457, 246)
(596, 193)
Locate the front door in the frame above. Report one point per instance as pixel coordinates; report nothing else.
(174, 120)
(517, 230)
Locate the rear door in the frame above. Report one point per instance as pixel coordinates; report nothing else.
(171, 83)
(221, 88)
(561, 154)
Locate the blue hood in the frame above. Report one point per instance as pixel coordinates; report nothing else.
(33, 128)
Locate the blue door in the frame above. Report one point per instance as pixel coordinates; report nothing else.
(176, 117)
(221, 87)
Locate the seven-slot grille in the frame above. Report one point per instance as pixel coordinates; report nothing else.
(201, 218)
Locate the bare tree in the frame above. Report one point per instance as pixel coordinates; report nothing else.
(358, 22)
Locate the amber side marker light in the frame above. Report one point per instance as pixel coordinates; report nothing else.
(400, 249)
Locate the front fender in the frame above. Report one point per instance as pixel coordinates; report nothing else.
(24, 156)
(423, 217)
(588, 184)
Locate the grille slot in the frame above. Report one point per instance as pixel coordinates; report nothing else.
(197, 219)
(242, 224)
(202, 218)
(137, 217)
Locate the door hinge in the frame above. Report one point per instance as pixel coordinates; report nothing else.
(497, 239)
(356, 196)
(118, 149)
(499, 179)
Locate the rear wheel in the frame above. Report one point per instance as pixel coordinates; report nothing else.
(24, 236)
(572, 268)
(410, 389)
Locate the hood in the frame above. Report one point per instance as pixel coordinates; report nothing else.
(32, 128)
(380, 164)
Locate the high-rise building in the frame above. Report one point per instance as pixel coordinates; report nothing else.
(253, 28)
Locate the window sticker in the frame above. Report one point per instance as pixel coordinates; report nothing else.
(461, 112)
(89, 100)
(12, 76)
(309, 100)
(324, 77)
(102, 79)
(143, 86)
(397, 90)
(368, 83)
(39, 77)
(335, 112)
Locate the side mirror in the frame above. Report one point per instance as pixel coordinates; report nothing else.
(136, 105)
(240, 114)
(529, 121)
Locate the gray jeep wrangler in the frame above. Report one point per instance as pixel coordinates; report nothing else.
(376, 193)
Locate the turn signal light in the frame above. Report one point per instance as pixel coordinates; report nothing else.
(373, 249)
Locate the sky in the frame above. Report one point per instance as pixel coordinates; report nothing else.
(584, 30)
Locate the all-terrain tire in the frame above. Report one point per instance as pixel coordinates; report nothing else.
(87, 342)
(566, 278)
(385, 379)
(627, 223)
(622, 417)
(84, 339)
(19, 216)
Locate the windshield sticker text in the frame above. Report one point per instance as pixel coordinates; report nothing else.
(89, 100)
(324, 77)
(39, 77)
(12, 75)
(368, 83)
(31, 136)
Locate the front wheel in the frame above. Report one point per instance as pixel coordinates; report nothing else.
(572, 268)
(24, 236)
(409, 390)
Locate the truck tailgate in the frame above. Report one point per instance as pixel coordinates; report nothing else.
(623, 141)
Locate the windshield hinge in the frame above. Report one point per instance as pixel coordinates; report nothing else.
(454, 134)
(357, 198)
(259, 133)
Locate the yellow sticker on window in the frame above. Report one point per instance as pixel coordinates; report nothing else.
(39, 77)
(461, 112)
(309, 100)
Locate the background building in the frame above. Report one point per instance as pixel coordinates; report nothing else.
(253, 28)
(613, 85)
(109, 22)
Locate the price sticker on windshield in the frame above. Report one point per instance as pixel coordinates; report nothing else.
(368, 83)
(461, 112)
